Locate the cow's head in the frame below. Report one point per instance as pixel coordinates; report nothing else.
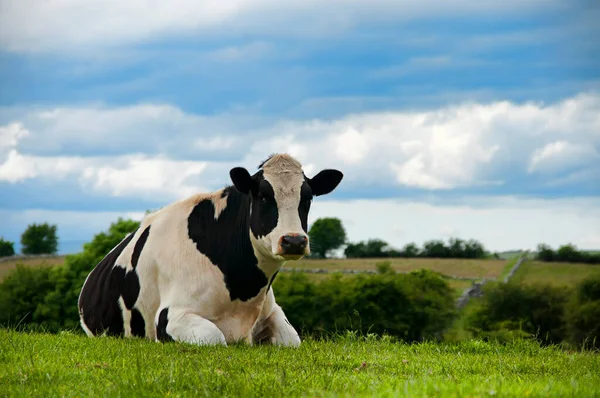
(280, 201)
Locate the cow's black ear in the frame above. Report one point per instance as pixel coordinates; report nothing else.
(325, 182)
(242, 180)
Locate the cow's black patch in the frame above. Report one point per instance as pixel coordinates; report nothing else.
(161, 328)
(130, 288)
(99, 298)
(137, 323)
(226, 242)
(264, 215)
(306, 196)
(139, 245)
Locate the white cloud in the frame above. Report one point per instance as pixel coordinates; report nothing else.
(561, 154)
(131, 175)
(29, 25)
(463, 145)
(500, 223)
(147, 176)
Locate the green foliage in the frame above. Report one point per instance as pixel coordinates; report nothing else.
(326, 234)
(66, 365)
(54, 305)
(39, 239)
(566, 253)
(412, 307)
(456, 248)
(411, 250)
(373, 248)
(583, 314)
(7, 248)
(384, 267)
(21, 292)
(509, 310)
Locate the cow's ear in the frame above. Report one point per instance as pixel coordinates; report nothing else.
(242, 180)
(325, 182)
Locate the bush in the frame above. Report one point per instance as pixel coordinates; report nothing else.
(583, 314)
(39, 239)
(412, 307)
(513, 310)
(7, 248)
(21, 292)
(47, 297)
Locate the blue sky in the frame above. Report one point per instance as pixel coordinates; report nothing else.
(461, 111)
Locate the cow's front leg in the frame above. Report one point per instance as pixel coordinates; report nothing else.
(275, 328)
(180, 324)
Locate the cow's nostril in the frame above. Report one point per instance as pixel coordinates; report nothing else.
(294, 244)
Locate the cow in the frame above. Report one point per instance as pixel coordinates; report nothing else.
(200, 270)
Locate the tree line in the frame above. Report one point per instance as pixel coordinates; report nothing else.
(328, 234)
(567, 254)
(36, 239)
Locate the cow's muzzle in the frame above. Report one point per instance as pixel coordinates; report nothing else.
(293, 244)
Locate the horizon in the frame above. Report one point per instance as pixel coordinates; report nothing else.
(448, 119)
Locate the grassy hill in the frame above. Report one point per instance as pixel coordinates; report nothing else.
(558, 274)
(72, 365)
(469, 268)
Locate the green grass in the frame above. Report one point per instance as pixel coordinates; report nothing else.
(72, 365)
(557, 274)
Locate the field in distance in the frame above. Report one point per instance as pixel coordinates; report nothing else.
(7, 266)
(468, 268)
(557, 274)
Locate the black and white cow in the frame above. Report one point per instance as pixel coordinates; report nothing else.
(200, 270)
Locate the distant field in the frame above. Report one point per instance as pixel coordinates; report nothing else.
(457, 267)
(558, 274)
(7, 266)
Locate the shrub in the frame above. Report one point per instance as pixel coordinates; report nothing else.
(515, 310)
(583, 314)
(47, 297)
(412, 307)
(7, 248)
(21, 291)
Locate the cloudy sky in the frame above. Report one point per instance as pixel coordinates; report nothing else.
(448, 118)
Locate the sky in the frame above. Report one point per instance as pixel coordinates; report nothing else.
(448, 118)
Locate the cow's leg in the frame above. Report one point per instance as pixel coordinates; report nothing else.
(183, 325)
(275, 328)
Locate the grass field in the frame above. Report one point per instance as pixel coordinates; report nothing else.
(558, 274)
(7, 266)
(487, 268)
(73, 365)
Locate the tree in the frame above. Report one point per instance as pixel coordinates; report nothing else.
(7, 248)
(545, 252)
(373, 248)
(326, 234)
(435, 249)
(410, 250)
(473, 249)
(39, 239)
